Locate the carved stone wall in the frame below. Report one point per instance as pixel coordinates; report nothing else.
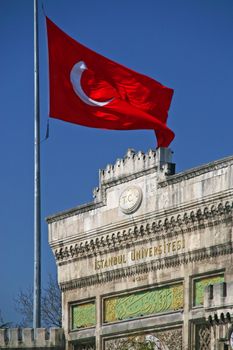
(203, 337)
(169, 339)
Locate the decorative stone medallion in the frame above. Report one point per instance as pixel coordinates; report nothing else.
(130, 199)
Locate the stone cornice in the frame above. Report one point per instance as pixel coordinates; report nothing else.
(200, 170)
(152, 166)
(158, 264)
(138, 220)
(150, 230)
(113, 175)
(99, 193)
(74, 211)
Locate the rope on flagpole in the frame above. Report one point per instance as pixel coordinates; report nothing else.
(42, 6)
(47, 133)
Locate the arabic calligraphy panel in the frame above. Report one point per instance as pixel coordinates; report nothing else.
(143, 303)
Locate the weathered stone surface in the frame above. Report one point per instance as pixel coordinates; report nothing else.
(147, 228)
(168, 339)
(218, 304)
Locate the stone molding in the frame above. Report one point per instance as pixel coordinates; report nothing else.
(24, 338)
(144, 164)
(158, 264)
(113, 175)
(74, 211)
(99, 194)
(143, 219)
(202, 217)
(194, 172)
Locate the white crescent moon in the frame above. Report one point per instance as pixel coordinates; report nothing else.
(75, 78)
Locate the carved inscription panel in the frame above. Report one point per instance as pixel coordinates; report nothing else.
(145, 253)
(143, 303)
(83, 315)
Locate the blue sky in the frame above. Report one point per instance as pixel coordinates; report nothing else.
(184, 44)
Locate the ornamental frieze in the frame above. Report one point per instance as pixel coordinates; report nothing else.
(140, 269)
(164, 339)
(200, 218)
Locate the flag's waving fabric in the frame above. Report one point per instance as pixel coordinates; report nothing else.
(88, 89)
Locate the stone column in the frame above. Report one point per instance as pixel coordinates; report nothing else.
(98, 323)
(186, 324)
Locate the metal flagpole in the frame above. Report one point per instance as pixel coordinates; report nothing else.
(37, 204)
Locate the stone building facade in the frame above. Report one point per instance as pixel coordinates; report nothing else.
(135, 263)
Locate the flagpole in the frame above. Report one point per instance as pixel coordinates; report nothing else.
(37, 201)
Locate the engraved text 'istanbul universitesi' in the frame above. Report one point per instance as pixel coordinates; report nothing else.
(141, 254)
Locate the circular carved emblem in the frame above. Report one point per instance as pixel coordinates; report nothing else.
(130, 199)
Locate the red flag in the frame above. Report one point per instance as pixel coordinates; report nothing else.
(88, 89)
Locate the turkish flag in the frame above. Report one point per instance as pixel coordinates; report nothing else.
(88, 89)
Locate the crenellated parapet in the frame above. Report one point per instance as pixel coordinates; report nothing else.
(132, 166)
(134, 163)
(28, 338)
